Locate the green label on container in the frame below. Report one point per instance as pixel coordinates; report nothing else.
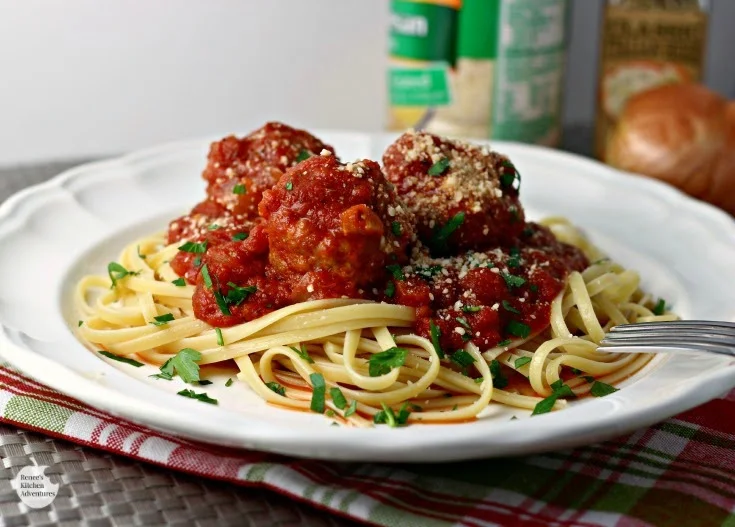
(419, 86)
(422, 31)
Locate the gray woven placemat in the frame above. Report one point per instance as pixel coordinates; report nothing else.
(98, 490)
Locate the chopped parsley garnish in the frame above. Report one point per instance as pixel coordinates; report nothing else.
(277, 388)
(528, 231)
(518, 329)
(600, 389)
(203, 397)
(427, 273)
(131, 362)
(194, 247)
(462, 358)
(220, 338)
(162, 320)
(438, 241)
(205, 276)
(228, 383)
(204, 382)
(197, 261)
(521, 361)
(471, 309)
(222, 303)
(438, 168)
(559, 390)
(320, 389)
(508, 307)
(396, 228)
(237, 295)
(184, 363)
(514, 216)
(329, 413)
(351, 410)
(179, 282)
(533, 288)
(503, 343)
(512, 280)
(436, 334)
(601, 260)
(515, 258)
(576, 371)
(240, 236)
(338, 398)
(212, 227)
(79, 323)
(303, 353)
(467, 335)
(660, 307)
(304, 154)
(390, 289)
(289, 185)
(239, 189)
(382, 363)
(396, 271)
(507, 179)
(118, 272)
(388, 416)
(140, 255)
(499, 379)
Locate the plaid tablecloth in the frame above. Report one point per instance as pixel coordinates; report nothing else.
(679, 473)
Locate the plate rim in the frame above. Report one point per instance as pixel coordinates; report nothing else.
(135, 410)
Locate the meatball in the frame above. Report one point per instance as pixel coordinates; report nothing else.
(334, 227)
(463, 196)
(239, 170)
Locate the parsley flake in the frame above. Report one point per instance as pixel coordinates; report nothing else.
(521, 361)
(237, 295)
(205, 276)
(192, 247)
(462, 358)
(222, 303)
(396, 271)
(351, 410)
(427, 273)
(390, 289)
(118, 272)
(229, 383)
(79, 323)
(184, 363)
(471, 309)
(508, 178)
(125, 360)
(179, 282)
(220, 338)
(239, 189)
(513, 280)
(559, 390)
(396, 228)
(212, 227)
(438, 242)
(438, 168)
(388, 416)
(318, 395)
(436, 334)
(277, 388)
(203, 397)
(508, 307)
(383, 362)
(600, 389)
(503, 343)
(162, 320)
(338, 398)
(289, 185)
(240, 236)
(499, 379)
(518, 329)
(303, 353)
(303, 155)
(140, 255)
(660, 307)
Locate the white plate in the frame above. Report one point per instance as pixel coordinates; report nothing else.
(54, 233)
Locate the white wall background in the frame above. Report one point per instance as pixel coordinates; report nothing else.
(86, 77)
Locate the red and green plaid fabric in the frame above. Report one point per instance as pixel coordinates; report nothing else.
(680, 472)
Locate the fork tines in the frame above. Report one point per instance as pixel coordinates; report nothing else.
(706, 335)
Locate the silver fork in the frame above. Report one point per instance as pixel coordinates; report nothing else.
(656, 337)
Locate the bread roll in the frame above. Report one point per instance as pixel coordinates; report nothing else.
(678, 133)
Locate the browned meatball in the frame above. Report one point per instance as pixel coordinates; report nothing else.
(239, 170)
(340, 224)
(463, 196)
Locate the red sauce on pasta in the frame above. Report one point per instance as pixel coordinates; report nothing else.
(440, 228)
